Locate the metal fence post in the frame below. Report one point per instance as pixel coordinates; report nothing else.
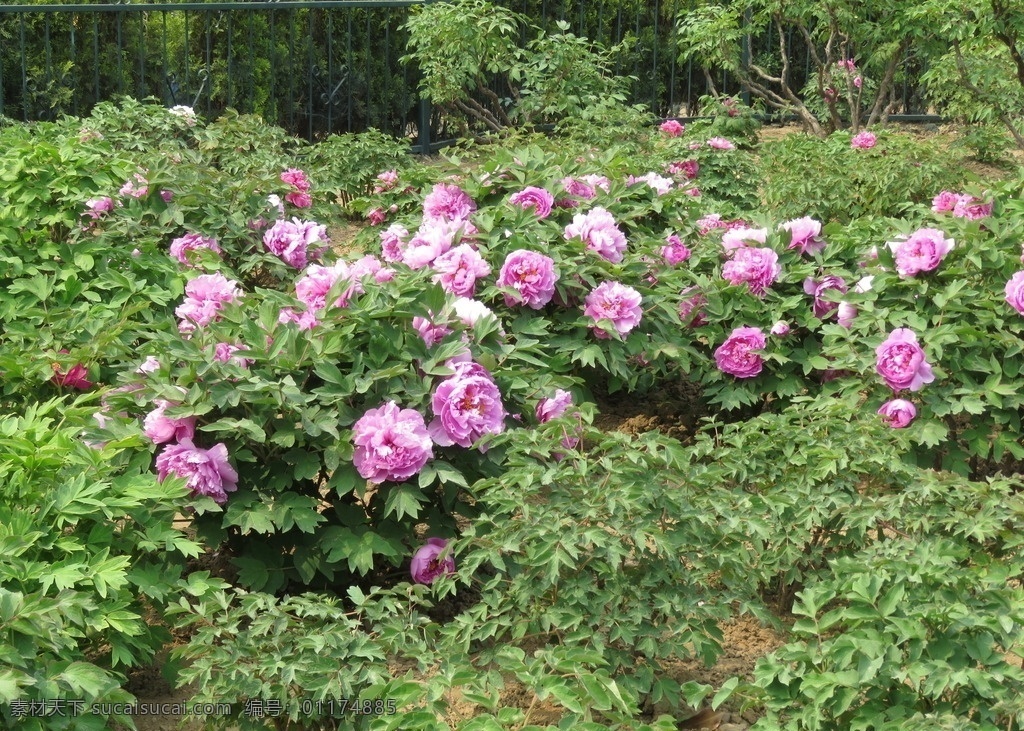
(424, 126)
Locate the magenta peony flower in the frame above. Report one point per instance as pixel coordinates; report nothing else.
(675, 252)
(312, 288)
(182, 245)
(737, 237)
(735, 355)
(945, 201)
(901, 362)
(969, 207)
(817, 288)
(1015, 291)
(806, 233)
(552, 408)
(224, 352)
(427, 563)
(448, 202)
(532, 275)
(433, 238)
(299, 200)
(76, 377)
(863, 141)
(720, 143)
(205, 296)
(136, 187)
(758, 267)
(672, 127)
(690, 312)
(97, 207)
(780, 329)
(305, 320)
(537, 198)
(459, 268)
(393, 242)
(922, 251)
(296, 178)
(897, 413)
(291, 241)
(616, 302)
(390, 444)
(598, 231)
(207, 471)
(466, 406)
(687, 168)
(430, 332)
(586, 187)
(161, 428)
(858, 81)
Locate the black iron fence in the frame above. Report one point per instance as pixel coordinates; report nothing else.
(314, 68)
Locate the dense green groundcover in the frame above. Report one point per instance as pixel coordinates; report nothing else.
(181, 338)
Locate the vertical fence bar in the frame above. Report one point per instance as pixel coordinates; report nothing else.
(96, 58)
(348, 65)
(47, 74)
(251, 97)
(330, 71)
(120, 53)
(24, 71)
(368, 121)
(291, 68)
(227, 81)
(142, 88)
(309, 76)
(208, 50)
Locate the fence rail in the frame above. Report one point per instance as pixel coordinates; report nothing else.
(314, 68)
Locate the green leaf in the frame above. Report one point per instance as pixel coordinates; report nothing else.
(724, 692)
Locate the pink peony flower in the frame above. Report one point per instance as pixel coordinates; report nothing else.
(738, 237)
(897, 413)
(969, 207)
(161, 428)
(312, 288)
(532, 275)
(459, 268)
(552, 408)
(207, 471)
(393, 242)
(690, 312)
(757, 267)
(661, 185)
(586, 187)
(291, 241)
(945, 201)
(149, 365)
(817, 288)
(687, 168)
(97, 207)
(305, 320)
(448, 202)
(922, 251)
(847, 64)
(675, 252)
(597, 229)
(433, 238)
(182, 245)
(780, 329)
(720, 143)
(224, 352)
(299, 200)
(863, 141)
(427, 563)
(430, 332)
(205, 296)
(466, 406)
(470, 311)
(386, 181)
(805, 235)
(296, 178)
(736, 357)
(846, 313)
(390, 444)
(1015, 291)
(616, 302)
(858, 81)
(901, 363)
(672, 127)
(76, 377)
(136, 187)
(537, 198)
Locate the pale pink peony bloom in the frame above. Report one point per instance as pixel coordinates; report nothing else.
(661, 185)
(538, 199)
(598, 230)
(741, 237)
(448, 202)
(780, 328)
(533, 277)
(823, 307)
(182, 245)
(433, 238)
(466, 406)
(690, 312)
(922, 251)
(969, 207)
(459, 268)
(945, 201)
(430, 561)
(225, 352)
(149, 365)
(720, 143)
(858, 81)
(901, 363)
(318, 280)
(293, 241)
(391, 444)
(846, 313)
(863, 141)
(1015, 291)
(161, 428)
(393, 242)
(736, 357)
(430, 332)
(470, 311)
(897, 413)
(758, 267)
(296, 178)
(306, 320)
(805, 235)
(672, 128)
(386, 181)
(136, 187)
(207, 471)
(186, 113)
(615, 302)
(847, 64)
(675, 251)
(205, 296)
